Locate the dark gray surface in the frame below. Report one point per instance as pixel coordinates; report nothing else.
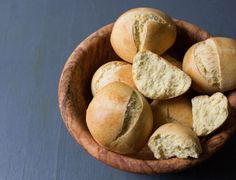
(36, 37)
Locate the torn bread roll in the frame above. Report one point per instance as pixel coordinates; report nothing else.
(212, 65)
(174, 140)
(111, 72)
(119, 118)
(178, 109)
(209, 113)
(156, 78)
(142, 29)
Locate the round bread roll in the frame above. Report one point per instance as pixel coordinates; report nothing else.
(156, 78)
(178, 109)
(142, 29)
(212, 65)
(174, 140)
(209, 113)
(119, 118)
(111, 72)
(172, 60)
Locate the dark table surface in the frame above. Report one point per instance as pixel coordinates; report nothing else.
(36, 37)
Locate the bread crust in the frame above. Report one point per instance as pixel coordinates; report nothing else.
(121, 71)
(226, 48)
(178, 109)
(181, 136)
(199, 83)
(175, 129)
(106, 115)
(156, 37)
(226, 52)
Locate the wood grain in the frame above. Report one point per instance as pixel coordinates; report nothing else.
(74, 95)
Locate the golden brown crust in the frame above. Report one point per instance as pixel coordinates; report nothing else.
(107, 119)
(173, 110)
(124, 74)
(111, 72)
(163, 34)
(226, 48)
(198, 82)
(107, 110)
(175, 129)
(226, 55)
(124, 36)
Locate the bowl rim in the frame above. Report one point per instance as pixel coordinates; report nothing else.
(119, 161)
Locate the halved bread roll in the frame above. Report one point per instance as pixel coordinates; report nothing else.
(209, 113)
(142, 29)
(178, 109)
(174, 140)
(119, 118)
(111, 72)
(212, 65)
(156, 78)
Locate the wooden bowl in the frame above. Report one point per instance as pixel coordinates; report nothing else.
(75, 95)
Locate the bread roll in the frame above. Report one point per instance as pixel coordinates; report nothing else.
(174, 140)
(111, 72)
(178, 109)
(119, 118)
(156, 78)
(212, 65)
(172, 60)
(209, 113)
(142, 29)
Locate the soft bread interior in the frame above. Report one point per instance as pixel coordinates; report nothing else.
(139, 26)
(174, 140)
(104, 75)
(156, 78)
(167, 146)
(207, 62)
(132, 113)
(209, 113)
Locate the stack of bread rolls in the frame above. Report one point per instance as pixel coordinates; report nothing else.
(119, 116)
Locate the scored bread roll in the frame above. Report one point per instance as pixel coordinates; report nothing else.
(174, 140)
(111, 72)
(212, 65)
(142, 29)
(119, 118)
(178, 109)
(156, 78)
(209, 113)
